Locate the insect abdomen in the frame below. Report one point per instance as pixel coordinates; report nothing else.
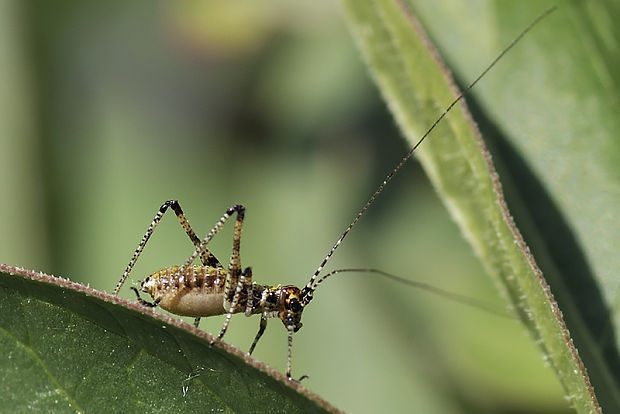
(198, 291)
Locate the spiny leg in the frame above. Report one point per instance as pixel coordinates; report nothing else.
(202, 246)
(290, 328)
(249, 306)
(205, 255)
(234, 265)
(247, 273)
(289, 358)
(234, 279)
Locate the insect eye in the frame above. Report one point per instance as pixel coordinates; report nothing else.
(272, 298)
(294, 305)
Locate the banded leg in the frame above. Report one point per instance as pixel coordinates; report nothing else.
(290, 328)
(234, 266)
(249, 306)
(235, 280)
(289, 356)
(234, 302)
(205, 255)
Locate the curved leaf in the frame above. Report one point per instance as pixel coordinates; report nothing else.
(402, 61)
(70, 348)
(551, 113)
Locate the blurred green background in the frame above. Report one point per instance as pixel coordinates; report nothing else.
(108, 109)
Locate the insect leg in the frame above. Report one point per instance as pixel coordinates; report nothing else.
(202, 246)
(144, 302)
(207, 258)
(249, 306)
(290, 329)
(261, 331)
(234, 265)
(235, 280)
(234, 276)
(205, 255)
(235, 299)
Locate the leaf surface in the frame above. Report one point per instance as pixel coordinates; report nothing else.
(71, 348)
(417, 88)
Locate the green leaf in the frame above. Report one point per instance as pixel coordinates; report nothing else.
(551, 111)
(417, 88)
(69, 348)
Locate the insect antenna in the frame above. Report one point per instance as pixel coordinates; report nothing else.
(311, 285)
(456, 297)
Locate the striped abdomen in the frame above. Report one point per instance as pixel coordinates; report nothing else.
(198, 291)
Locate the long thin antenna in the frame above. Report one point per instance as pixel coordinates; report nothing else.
(311, 283)
(456, 297)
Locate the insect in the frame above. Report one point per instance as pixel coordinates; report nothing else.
(211, 289)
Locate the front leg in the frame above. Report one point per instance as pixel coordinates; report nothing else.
(261, 331)
(289, 330)
(144, 302)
